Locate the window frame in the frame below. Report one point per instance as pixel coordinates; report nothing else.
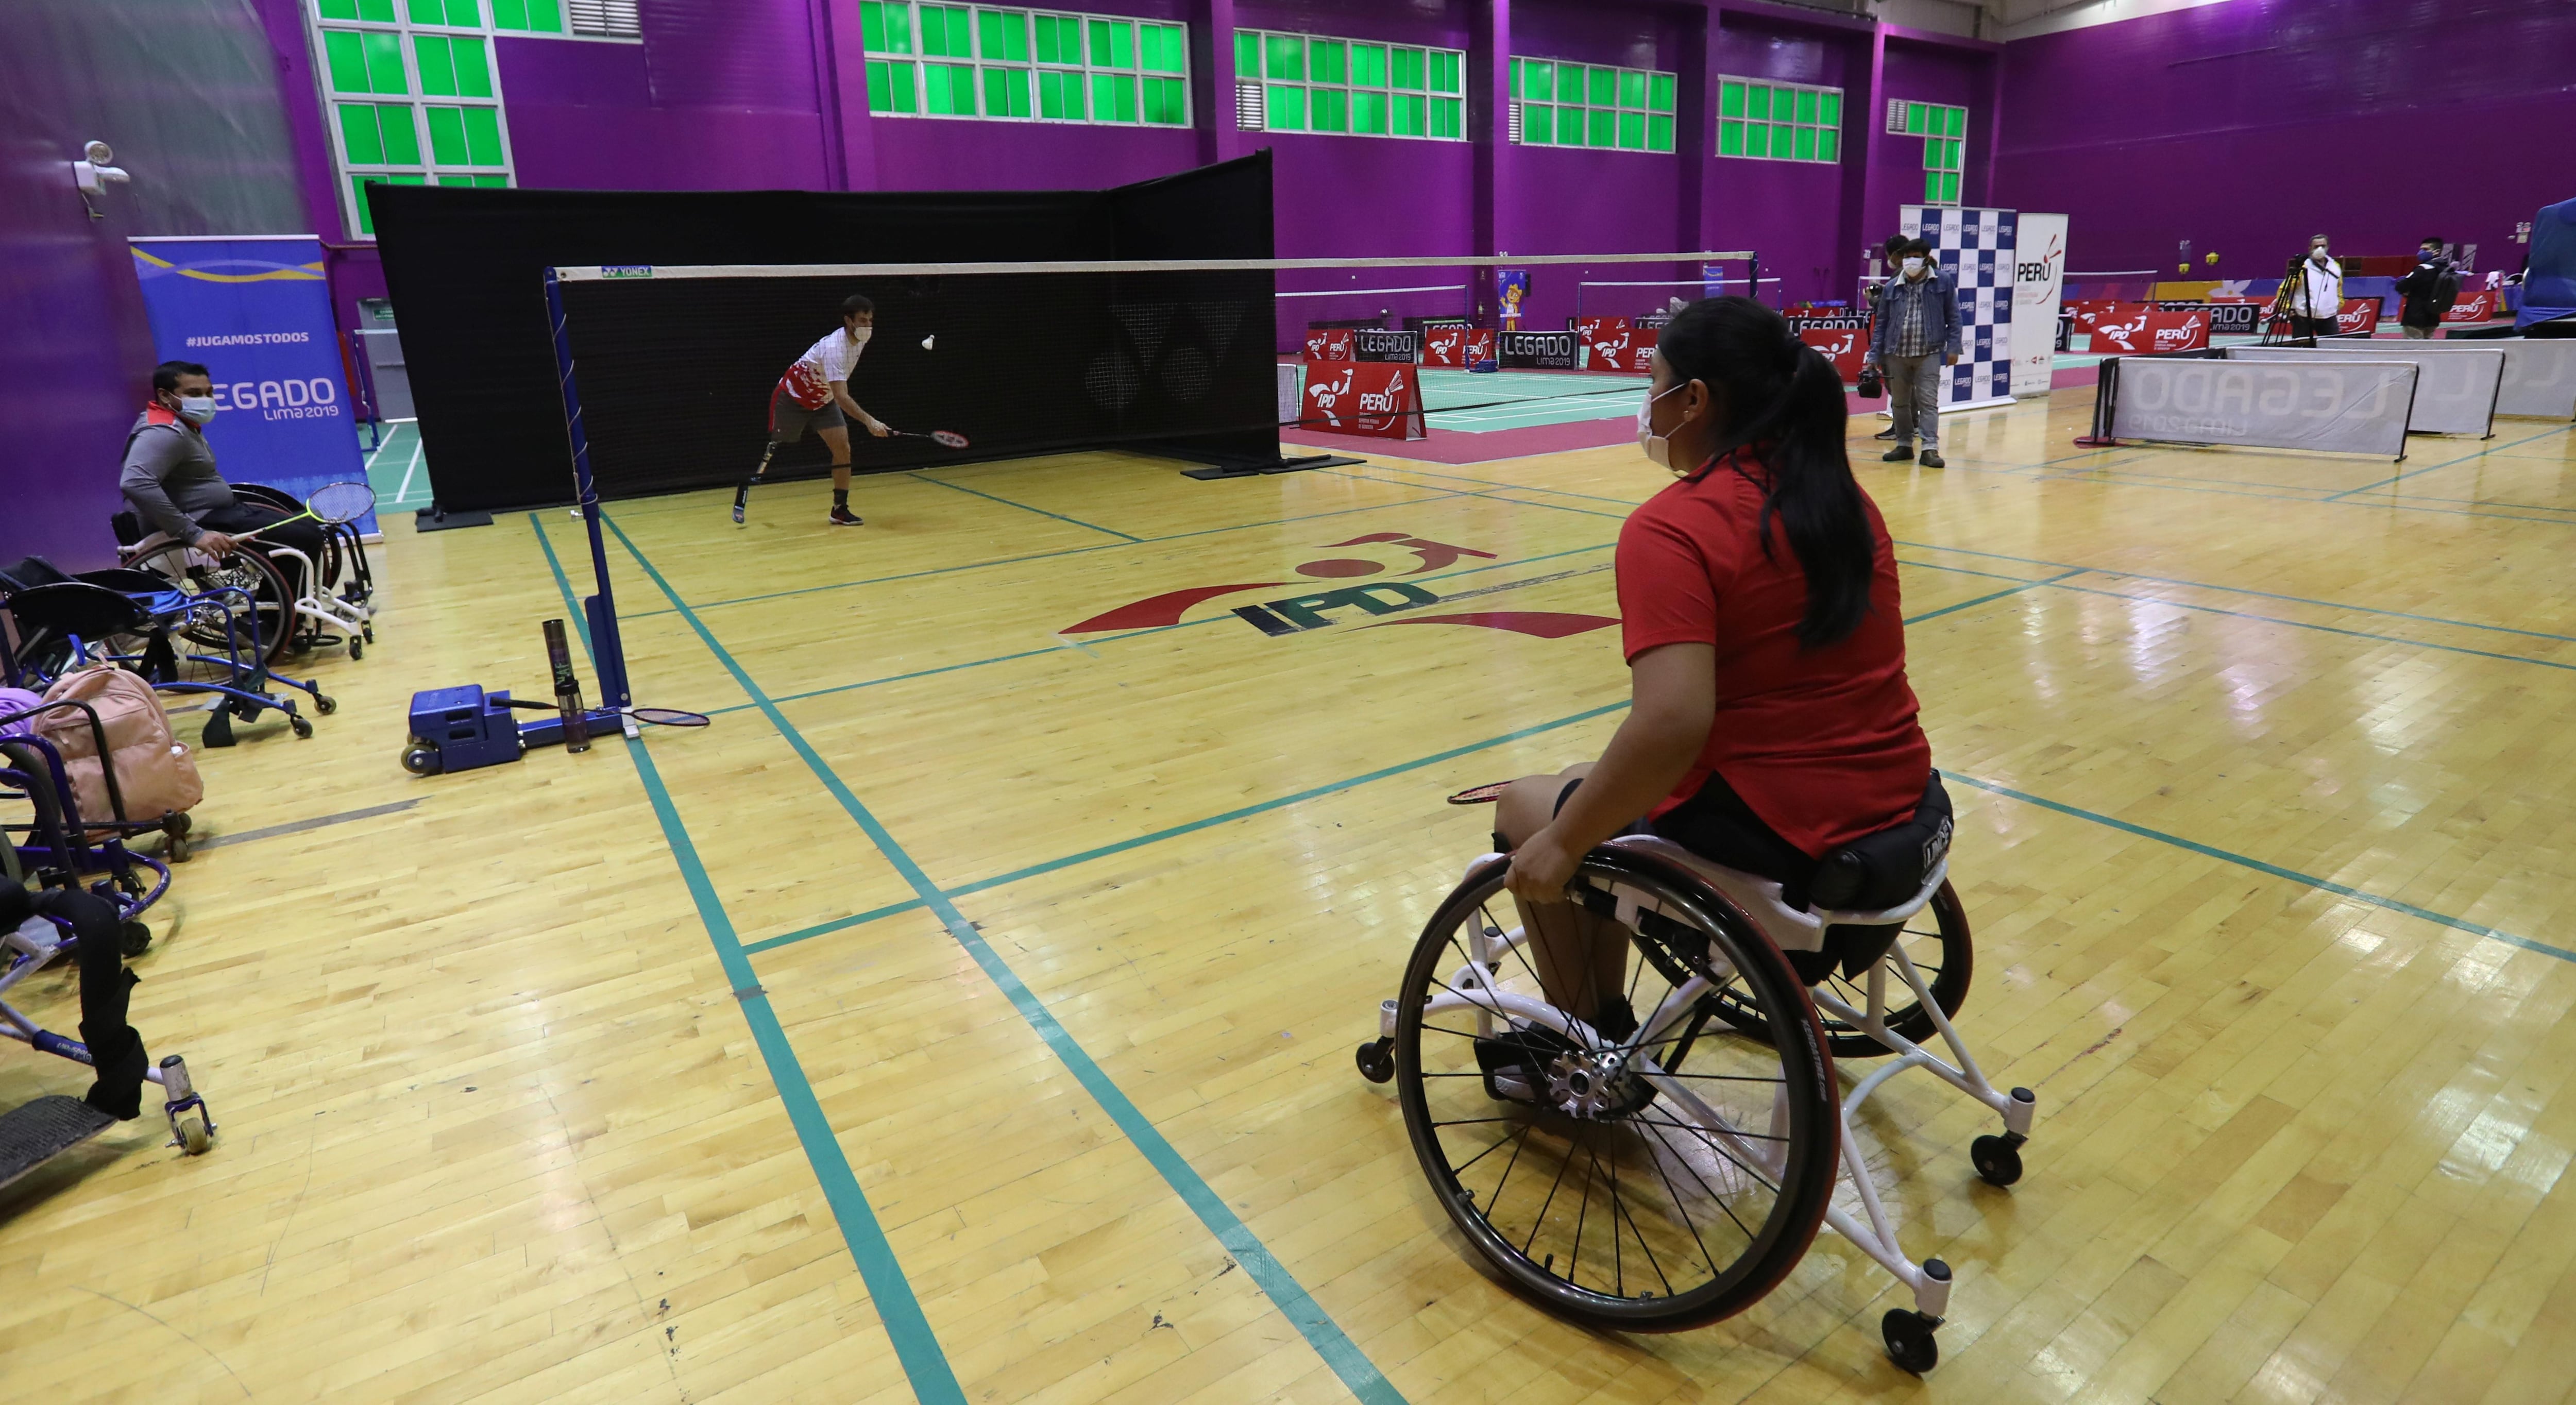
(358, 224)
(1943, 129)
(891, 72)
(1604, 105)
(1808, 133)
(1253, 91)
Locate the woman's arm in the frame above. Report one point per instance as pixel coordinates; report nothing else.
(1675, 700)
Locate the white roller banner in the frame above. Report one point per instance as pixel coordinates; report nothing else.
(2456, 394)
(2539, 376)
(2039, 280)
(2339, 404)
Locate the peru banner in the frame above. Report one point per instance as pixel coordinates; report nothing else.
(1457, 347)
(2039, 281)
(1382, 399)
(2359, 317)
(256, 313)
(1330, 344)
(2478, 308)
(2149, 333)
(1844, 346)
(1613, 345)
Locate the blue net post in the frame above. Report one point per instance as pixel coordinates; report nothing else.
(607, 651)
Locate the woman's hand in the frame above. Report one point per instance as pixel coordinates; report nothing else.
(1542, 866)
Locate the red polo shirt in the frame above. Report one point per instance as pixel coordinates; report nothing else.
(1821, 743)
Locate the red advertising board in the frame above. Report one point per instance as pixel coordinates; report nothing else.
(1844, 346)
(2478, 308)
(2359, 317)
(1457, 346)
(2151, 332)
(1383, 399)
(1615, 345)
(2089, 311)
(1328, 344)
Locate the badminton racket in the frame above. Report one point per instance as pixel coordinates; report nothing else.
(332, 505)
(1485, 794)
(944, 438)
(649, 716)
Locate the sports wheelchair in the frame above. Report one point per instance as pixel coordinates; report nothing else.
(1667, 1175)
(138, 620)
(58, 846)
(295, 613)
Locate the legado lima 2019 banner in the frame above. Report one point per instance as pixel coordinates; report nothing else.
(256, 313)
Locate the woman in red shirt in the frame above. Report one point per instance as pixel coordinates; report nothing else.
(1771, 720)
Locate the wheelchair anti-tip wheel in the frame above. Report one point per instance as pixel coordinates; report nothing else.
(1655, 1182)
(1936, 940)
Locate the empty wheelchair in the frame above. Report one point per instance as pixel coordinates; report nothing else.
(1670, 1174)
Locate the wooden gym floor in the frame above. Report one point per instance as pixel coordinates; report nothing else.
(969, 1012)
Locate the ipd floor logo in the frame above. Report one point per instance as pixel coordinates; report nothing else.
(1313, 610)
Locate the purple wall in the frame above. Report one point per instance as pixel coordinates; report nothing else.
(1788, 212)
(2246, 127)
(186, 93)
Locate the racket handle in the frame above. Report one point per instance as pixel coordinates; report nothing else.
(576, 720)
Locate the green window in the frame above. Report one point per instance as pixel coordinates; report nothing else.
(1028, 65)
(1348, 87)
(1944, 130)
(1559, 103)
(414, 96)
(1769, 121)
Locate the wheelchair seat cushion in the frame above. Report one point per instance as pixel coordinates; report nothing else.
(1888, 867)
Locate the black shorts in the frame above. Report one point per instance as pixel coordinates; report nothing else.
(1718, 826)
(788, 420)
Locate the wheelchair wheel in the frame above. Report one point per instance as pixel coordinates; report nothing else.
(1935, 940)
(1653, 1185)
(196, 573)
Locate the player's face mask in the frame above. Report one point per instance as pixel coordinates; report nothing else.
(197, 409)
(860, 335)
(1657, 447)
(1913, 266)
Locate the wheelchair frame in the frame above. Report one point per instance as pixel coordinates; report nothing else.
(1908, 1335)
(59, 851)
(246, 674)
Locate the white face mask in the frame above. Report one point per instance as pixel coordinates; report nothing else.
(1913, 266)
(1657, 447)
(196, 409)
(859, 335)
(2318, 253)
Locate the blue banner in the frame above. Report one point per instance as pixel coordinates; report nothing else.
(257, 313)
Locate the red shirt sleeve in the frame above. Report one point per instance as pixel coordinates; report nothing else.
(1667, 585)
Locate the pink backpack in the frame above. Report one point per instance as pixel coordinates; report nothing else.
(153, 773)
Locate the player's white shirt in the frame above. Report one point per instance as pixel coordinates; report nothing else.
(810, 380)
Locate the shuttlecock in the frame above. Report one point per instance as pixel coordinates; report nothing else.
(926, 341)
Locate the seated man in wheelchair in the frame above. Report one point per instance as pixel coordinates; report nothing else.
(1772, 724)
(169, 475)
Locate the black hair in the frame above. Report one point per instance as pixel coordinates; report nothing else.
(855, 304)
(1782, 390)
(1919, 246)
(2433, 239)
(166, 375)
(1896, 244)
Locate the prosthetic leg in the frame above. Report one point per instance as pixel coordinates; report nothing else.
(742, 493)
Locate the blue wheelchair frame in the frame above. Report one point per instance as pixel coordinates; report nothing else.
(163, 613)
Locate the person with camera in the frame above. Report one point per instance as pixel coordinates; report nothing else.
(1915, 335)
(2312, 293)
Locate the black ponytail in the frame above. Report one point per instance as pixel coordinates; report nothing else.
(1782, 390)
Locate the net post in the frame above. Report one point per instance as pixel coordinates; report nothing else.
(608, 652)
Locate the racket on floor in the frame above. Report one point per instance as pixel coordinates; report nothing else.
(1485, 794)
(332, 505)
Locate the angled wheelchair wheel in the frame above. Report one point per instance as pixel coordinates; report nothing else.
(1935, 939)
(1656, 1183)
(195, 573)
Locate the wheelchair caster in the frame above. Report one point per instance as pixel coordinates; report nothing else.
(133, 938)
(1997, 1159)
(1909, 1340)
(193, 1136)
(370, 632)
(302, 727)
(421, 760)
(357, 650)
(1377, 1060)
(325, 704)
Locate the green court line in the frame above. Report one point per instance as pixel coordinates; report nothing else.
(1988, 598)
(836, 925)
(2452, 463)
(2322, 885)
(2301, 624)
(916, 1347)
(1274, 1279)
(1437, 495)
(1024, 507)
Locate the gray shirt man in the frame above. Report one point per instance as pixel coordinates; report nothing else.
(169, 475)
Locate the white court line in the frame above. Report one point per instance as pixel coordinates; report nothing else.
(403, 493)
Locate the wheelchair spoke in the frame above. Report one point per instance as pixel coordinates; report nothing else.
(1461, 1168)
(1539, 1220)
(1705, 1140)
(1749, 1235)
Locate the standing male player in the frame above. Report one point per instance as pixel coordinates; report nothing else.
(815, 393)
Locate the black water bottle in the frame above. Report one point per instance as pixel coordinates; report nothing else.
(576, 724)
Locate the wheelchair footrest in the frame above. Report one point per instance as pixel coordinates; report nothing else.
(39, 1131)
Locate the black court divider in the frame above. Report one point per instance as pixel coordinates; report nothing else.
(675, 374)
